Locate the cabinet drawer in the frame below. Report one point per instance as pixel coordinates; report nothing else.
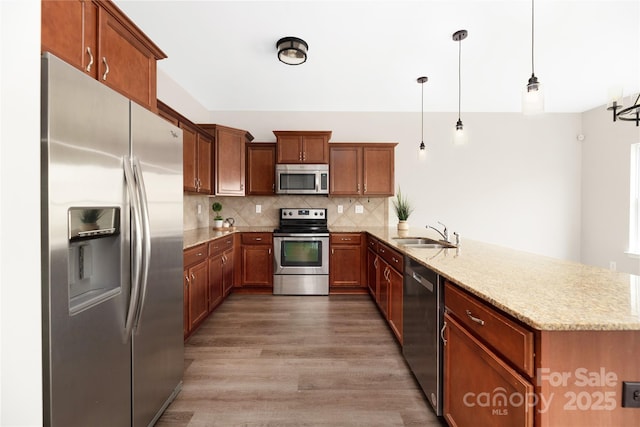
(256, 238)
(508, 338)
(393, 257)
(372, 244)
(346, 239)
(195, 254)
(220, 245)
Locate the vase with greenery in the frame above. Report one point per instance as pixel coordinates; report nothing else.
(217, 220)
(403, 209)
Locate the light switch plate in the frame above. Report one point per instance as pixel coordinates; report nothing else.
(258, 208)
(340, 209)
(359, 209)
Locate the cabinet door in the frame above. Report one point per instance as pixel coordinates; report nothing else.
(315, 149)
(395, 303)
(69, 31)
(198, 302)
(189, 158)
(479, 388)
(345, 170)
(289, 149)
(215, 281)
(124, 63)
(382, 296)
(345, 266)
(185, 311)
(230, 158)
(257, 265)
(227, 272)
(261, 161)
(378, 171)
(372, 272)
(204, 163)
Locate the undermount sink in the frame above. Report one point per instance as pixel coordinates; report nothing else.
(421, 242)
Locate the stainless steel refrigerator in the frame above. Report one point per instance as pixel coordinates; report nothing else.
(112, 293)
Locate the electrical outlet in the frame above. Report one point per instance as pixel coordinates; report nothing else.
(630, 394)
(258, 208)
(199, 208)
(612, 266)
(340, 209)
(359, 209)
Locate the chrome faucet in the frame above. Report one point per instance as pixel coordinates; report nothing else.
(444, 233)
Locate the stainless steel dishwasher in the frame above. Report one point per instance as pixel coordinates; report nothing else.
(423, 312)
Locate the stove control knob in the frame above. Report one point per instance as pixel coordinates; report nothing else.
(315, 213)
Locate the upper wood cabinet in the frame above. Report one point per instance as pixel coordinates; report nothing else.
(197, 152)
(97, 38)
(361, 169)
(302, 146)
(229, 170)
(261, 165)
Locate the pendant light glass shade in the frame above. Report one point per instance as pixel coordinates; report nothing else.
(532, 96)
(460, 137)
(422, 148)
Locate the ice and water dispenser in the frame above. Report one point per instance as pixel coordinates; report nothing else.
(94, 255)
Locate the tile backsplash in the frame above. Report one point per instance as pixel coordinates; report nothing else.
(243, 210)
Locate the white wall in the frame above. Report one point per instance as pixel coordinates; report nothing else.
(605, 190)
(516, 184)
(20, 320)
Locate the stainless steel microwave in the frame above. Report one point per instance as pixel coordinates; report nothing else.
(302, 179)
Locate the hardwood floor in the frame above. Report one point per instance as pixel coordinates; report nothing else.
(263, 360)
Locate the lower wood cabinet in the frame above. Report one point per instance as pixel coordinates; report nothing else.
(385, 278)
(346, 265)
(257, 260)
(196, 279)
(480, 389)
(488, 360)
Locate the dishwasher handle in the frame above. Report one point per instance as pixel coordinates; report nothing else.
(424, 282)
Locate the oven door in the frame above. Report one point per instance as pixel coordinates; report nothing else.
(301, 254)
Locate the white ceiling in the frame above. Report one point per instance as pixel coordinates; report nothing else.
(366, 55)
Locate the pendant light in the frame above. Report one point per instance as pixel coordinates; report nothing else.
(459, 136)
(422, 80)
(628, 114)
(533, 96)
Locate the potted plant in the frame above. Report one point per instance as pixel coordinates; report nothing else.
(217, 220)
(403, 209)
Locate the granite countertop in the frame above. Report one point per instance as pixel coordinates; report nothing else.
(543, 292)
(202, 235)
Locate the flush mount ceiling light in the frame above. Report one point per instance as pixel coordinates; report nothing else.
(459, 136)
(533, 97)
(629, 114)
(292, 50)
(422, 81)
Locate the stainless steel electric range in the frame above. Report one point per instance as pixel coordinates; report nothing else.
(301, 249)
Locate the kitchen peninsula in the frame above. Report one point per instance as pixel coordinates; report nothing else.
(557, 338)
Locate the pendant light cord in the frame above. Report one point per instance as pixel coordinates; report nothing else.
(422, 114)
(532, 35)
(459, 75)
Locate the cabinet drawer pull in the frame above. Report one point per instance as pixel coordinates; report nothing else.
(199, 254)
(444, 340)
(475, 319)
(395, 260)
(106, 71)
(90, 59)
(257, 239)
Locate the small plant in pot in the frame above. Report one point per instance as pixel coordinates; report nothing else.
(218, 219)
(403, 209)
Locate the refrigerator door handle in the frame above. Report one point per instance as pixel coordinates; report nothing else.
(137, 257)
(146, 237)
